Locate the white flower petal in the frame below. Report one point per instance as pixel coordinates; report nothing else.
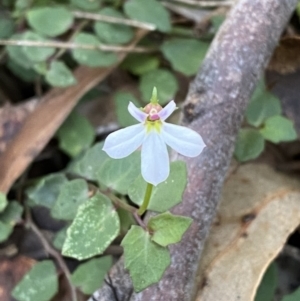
(123, 142)
(167, 110)
(155, 159)
(136, 113)
(183, 140)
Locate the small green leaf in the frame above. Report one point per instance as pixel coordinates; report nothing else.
(185, 55)
(50, 21)
(113, 33)
(47, 190)
(145, 260)
(95, 226)
(278, 129)
(262, 105)
(3, 201)
(59, 238)
(140, 63)
(267, 287)
(7, 26)
(75, 135)
(126, 219)
(150, 11)
(5, 231)
(92, 58)
(295, 296)
(166, 194)
(249, 145)
(89, 276)
(27, 75)
(87, 4)
(36, 54)
(17, 55)
(163, 80)
(119, 174)
(122, 100)
(59, 75)
(39, 284)
(72, 194)
(90, 163)
(168, 228)
(12, 213)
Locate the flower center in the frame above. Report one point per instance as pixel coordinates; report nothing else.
(152, 111)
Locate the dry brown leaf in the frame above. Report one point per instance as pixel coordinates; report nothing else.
(260, 208)
(286, 57)
(42, 124)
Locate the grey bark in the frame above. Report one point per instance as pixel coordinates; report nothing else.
(214, 107)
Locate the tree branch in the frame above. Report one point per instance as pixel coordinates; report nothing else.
(214, 107)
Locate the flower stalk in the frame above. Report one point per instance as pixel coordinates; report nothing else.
(146, 201)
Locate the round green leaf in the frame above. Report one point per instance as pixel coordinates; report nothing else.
(168, 228)
(17, 54)
(262, 105)
(92, 58)
(59, 75)
(113, 33)
(95, 226)
(140, 63)
(163, 80)
(166, 194)
(5, 231)
(3, 201)
(75, 135)
(145, 260)
(89, 276)
(249, 145)
(278, 129)
(7, 26)
(122, 100)
(87, 4)
(39, 284)
(12, 213)
(36, 54)
(267, 287)
(59, 238)
(185, 55)
(150, 11)
(50, 21)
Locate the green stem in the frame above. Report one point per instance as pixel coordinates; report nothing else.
(146, 201)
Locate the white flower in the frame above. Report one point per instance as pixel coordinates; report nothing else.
(153, 134)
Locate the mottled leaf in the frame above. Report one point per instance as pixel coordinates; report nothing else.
(59, 75)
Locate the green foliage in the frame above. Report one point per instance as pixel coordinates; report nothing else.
(46, 191)
(249, 145)
(39, 284)
(5, 231)
(50, 21)
(278, 129)
(3, 201)
(95, 226)
(163, 80)
(72, 195)
(126, 219)
(75, 135)
(168, 228)
(185, 55)
(92, 58)
(6, 26)
(90, 163)
(59, 75)
(140, 63)
(295, 296)
(87, 4)
(113, 33)
(145, 260)
(262, 105)
(267, 287)
(59, 238)
(120, 174)
(122, 100)
(89, 276)
(150, 11)
(36, 54)
(165, 195)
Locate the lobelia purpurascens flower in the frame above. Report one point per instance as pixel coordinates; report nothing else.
(153, 135)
